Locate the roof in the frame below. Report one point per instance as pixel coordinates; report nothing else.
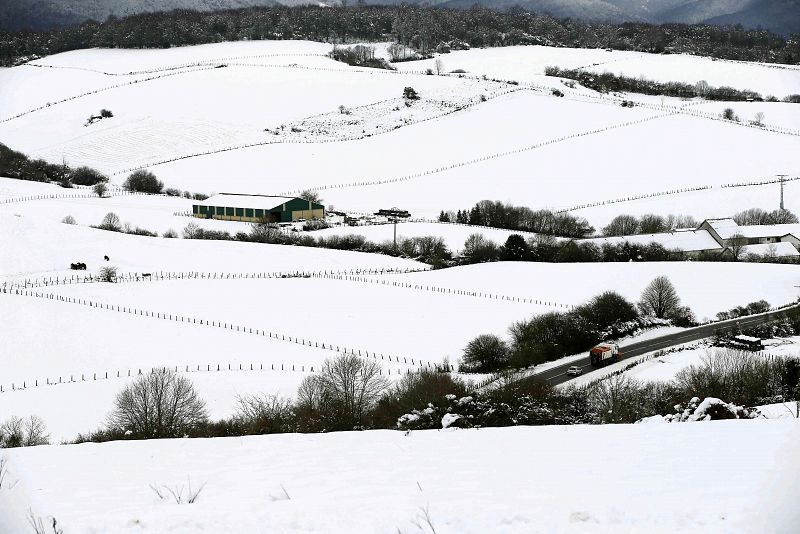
(781, 249)
(235, 200)
(727, 228)
(685, 240)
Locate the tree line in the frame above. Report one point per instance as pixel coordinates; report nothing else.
(422, 28)
(609, 82)
(496, 214)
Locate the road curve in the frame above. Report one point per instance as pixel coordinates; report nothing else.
(558, 375)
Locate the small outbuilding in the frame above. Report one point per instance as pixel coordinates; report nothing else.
(257, 208)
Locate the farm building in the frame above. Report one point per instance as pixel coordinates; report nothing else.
(692, 242)
(257, 208)
(727, 231)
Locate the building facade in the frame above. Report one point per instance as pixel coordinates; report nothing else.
(257, 208)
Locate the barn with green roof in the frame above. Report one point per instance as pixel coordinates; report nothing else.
(257, 208)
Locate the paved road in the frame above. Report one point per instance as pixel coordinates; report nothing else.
(558, 375)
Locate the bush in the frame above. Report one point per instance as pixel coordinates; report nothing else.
(111, 223)
(172, 192)
(170, 234)
(105, 113)
(100, 189)
(69, 219)
(86, 176)
(20, 432)
(160, 404)
(143, 181)
(410, 94)
(484, 354)
(264, 414)
(341, 395)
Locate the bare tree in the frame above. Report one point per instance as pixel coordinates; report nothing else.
(622, 225)
(758, 120)
(311, 195)
(108, 274)
(439, 66)
(191, 231)
(111, 222)
(100, 189)
(736, 244)
(23, 432)
(702, 88)
(344, 391)
(160, 404)
(659, 298)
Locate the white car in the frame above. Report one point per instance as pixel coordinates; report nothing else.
(574, 371)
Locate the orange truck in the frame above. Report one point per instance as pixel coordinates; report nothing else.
(604, 354)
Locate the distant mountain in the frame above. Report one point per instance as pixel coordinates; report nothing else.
(781, 16)
(589, 10)
(46, 14)
(702, 10)
(649, 10)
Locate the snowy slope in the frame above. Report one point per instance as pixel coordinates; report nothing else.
(524, 63)
(653, 478)
(707, 288)
(33, 249)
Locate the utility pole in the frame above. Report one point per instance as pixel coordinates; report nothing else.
(782, 181)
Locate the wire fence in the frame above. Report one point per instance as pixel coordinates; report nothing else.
(89, 278)
(231, 327)
(77, 378)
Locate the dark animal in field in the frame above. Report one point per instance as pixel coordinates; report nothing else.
(105, 258)
(77, 266)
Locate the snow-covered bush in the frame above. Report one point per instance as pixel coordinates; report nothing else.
(23, 432)
(710, 409)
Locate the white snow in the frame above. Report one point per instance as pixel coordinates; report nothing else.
(654, 478)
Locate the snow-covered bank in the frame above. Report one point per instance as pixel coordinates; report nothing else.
(586, 479)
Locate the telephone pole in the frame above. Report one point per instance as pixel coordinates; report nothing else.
(782, 181)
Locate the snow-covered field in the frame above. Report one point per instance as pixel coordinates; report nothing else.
(654, 478)
(187, 114)
(33, 249)
(526, 63)
(707, 288)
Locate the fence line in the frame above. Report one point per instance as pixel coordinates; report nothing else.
(77, 378)
(26, 283)
(243, 329)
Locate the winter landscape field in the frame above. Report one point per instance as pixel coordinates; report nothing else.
(261, 286)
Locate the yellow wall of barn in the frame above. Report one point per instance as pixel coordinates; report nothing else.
(308, 214)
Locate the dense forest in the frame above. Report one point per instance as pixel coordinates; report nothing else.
(424, 29)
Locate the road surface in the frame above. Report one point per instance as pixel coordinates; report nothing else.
(558, 375)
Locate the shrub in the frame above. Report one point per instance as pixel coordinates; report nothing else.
(105, 113)
(172, 192)
(69, 219)
(100, 189)
(410, 94)
(160, 404)
(170, 234)
(108, 274)
(23, 432)
(86, 176)
(341, 395)
(265, 414)
(485, 354)
(729, 115)
(143, 181)
(111, 223)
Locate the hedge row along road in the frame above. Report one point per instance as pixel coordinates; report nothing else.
(558, 375)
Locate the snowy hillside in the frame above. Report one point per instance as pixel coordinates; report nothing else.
(654, 478)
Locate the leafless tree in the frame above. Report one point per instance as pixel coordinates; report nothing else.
(622, 225)
(108, 274)
(111, 222)
(736, 244)
(311, 195)
(439, 66)
(759, 118)
(702, 88)
(23, 432)
(345, 390)
(160, 404)
(659, 298)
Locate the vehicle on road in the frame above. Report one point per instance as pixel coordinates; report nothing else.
(574, 371)
(604, 354)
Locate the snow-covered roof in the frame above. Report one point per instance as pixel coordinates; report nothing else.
(727, 228)
(781, 249)
(234, 200)
(685, 240)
